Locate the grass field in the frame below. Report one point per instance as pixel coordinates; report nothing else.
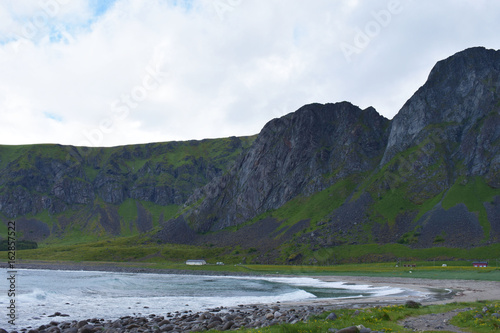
(140, 250)
(383, 269)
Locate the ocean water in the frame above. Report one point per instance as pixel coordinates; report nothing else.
(110, 295)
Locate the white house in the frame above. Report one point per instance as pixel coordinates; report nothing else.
(196, 262)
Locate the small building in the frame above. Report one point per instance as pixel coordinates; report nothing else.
(480, 264)
(196, 262)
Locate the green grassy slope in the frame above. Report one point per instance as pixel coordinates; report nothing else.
(31, 171)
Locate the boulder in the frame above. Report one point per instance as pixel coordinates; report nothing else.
(332, 316)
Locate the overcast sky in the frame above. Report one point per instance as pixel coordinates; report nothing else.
(115, 72)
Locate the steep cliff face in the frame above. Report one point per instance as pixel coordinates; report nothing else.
(456, 113)
(301, 153)
(430, 176)
(444, 150)
(440, 170)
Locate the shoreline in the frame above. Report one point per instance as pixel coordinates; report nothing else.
(117, 268)
(461, 290)
(432, 291)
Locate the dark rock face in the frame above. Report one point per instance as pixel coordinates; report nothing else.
(177, 231)
(262, 237)
(144, 220)
(32, 229)
(109, 220)
(455, 227)
(291, 156)
(458, 110)
(493, 211)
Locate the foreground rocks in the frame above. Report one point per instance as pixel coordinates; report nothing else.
(221, 319)
(433, 321)
(243, 316)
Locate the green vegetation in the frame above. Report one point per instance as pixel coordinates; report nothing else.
(20, 245)
(125, 249)
(428, 205)
(73, 236)
(159, 212)
(423, 270)
(314, 208)
(141, 249)
(128, 215)
(23, 155)
(3, 229)
(478, 320)
(363, 252)
(175, 166)
(389, 318)
(409, 237)
(391, 204)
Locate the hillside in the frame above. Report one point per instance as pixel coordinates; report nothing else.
(59, 192)
(312, 186)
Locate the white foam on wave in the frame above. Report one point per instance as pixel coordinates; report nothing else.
(30, 313)
(84, 294)
(317, 283)
(203, 303)
(34, 295)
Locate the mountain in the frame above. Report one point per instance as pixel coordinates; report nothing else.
(444, 143)
(61, 190)
(428, 177)
(299, 154)
(322, 178)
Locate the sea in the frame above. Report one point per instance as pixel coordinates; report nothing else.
(111, 295)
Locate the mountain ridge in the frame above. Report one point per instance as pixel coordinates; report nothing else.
(296, 147)
(323, 176)
(429, 148)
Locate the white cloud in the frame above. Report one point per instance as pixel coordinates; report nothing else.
(222, 67)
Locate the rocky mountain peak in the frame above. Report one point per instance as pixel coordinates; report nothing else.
(458, 104)
(291, 156)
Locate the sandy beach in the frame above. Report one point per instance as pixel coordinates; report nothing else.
(460, 290)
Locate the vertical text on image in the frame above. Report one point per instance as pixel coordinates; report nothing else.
(11, 272)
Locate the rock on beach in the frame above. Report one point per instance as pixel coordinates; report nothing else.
(221, 319)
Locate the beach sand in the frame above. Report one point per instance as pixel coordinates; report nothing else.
(447, 290)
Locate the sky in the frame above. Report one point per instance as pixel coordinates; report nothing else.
(117, 72)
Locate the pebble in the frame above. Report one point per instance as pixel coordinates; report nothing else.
(220, 319)
(351, 329)
(332, 316)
